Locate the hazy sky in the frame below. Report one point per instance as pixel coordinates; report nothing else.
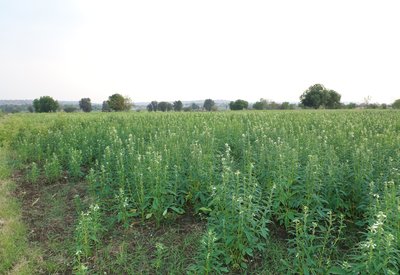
(170, 50)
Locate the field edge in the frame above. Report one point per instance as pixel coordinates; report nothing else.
(17, 256)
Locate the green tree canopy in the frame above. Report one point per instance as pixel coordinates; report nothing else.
(285, 106)
(164, 106)
(105, 107)
(153, 106)
(265, 104)
(208, 104)
(260, 105)
(178, 105)
(194, 107)
(396, 104)
(70, 109)
(317, 96)
(239, 104)
(117, 102)
(85, 104)
(45, 104)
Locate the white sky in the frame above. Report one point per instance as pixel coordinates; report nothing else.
(170, 50)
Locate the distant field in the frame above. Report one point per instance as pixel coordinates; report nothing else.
(282, 192)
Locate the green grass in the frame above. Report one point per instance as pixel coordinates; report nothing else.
(12, 230)
(16, 256)
(136, 251)
(51, 216)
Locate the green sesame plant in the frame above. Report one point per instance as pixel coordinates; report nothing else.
(209, 259)
(74, 164)
(245, 176)
(87, 237)
(33, 174)
(52, 169)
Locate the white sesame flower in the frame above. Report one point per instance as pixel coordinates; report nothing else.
(368, 244)
(381, 215)
(374, 228)
(389, 238)
(125, 204)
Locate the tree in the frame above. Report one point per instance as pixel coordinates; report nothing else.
(265, 104)
(45, 104)
(177, 106)
(372, 106)
(239, 104)
(117, 102)
(85, 104)
(351, 105)
(194, 107)
(164, 106)
(261, 105)
(69, 109)
(396, 104)
(332, 99)
(105, 107)
(317, 96)
(128, 103)
(153, 106)
(285, 105)
(208, 104)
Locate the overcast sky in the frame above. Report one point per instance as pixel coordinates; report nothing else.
(170, 50)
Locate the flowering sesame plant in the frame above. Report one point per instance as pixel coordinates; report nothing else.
(322, 184)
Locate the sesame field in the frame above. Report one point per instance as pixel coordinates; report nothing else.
(274, 192)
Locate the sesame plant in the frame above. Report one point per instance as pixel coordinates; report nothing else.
(160, 254)
(74, 164)
(52, 169)
(379, 251)
(322, 184)
(123, 208)
(210, 256)
(314, 246)
(240, 214)
(33, 174)
(88, 235)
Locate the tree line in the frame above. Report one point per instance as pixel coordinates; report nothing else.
(115, 102)
(315, 97)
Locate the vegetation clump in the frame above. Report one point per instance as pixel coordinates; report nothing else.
(45, 104)
(311, 192)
